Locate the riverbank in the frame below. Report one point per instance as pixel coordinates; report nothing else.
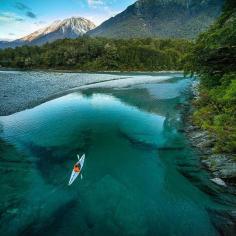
(23, 90)
(222, 166)
(89, 71)
(20, 90)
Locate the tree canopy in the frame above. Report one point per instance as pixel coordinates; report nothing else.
(94, 54)
(213, 57)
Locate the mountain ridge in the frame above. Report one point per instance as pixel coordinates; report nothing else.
(161, 18)
(73, 27)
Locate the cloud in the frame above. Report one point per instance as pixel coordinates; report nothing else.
(11, 34)
(31, 14)
(28, 12)
(21, 6)
(19, 19)
(41, 22)
(95, 3)
(10, 17)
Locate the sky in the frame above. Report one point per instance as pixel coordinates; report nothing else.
(19, 18)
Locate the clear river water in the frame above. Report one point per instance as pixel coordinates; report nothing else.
(141, 176)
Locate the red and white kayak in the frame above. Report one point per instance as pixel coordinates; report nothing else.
(77, 169)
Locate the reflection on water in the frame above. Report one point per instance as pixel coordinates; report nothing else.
(140, 176)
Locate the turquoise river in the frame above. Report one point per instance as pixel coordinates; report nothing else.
(141, 176)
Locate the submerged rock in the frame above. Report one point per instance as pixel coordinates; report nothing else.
(13, 211)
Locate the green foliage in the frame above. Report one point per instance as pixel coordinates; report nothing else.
(217, 113)
(93, 54)
(213, 57)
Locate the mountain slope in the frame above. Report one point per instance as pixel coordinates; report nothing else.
(68, 28)
(161, 18)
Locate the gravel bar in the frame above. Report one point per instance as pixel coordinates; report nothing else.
(22, 90)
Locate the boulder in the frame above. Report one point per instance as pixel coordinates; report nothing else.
(219, 181)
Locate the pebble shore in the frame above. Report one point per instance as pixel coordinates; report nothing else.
(23, 90)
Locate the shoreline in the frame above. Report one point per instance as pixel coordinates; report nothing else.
(31, 103)
(22, 90)
(220, 165)
(88, 71)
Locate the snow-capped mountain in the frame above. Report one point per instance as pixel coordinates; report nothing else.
(69, 28)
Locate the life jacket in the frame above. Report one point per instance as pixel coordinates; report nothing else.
(76, 168)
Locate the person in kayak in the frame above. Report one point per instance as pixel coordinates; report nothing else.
(77, 168)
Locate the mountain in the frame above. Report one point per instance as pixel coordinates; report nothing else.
(161, 18)
(69, 28)
(6, 44)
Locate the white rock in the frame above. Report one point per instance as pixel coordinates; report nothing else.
(219, 181)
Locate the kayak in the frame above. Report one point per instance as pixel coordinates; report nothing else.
(75, 174)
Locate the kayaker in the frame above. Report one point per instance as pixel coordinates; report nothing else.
(77, 168)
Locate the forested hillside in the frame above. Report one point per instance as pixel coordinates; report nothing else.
(214, 59)
(162, 19)
(94, 54)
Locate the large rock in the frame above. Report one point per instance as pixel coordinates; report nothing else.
(222, 165)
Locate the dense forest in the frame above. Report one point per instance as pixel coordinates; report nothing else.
(99, 54)
(213, 57)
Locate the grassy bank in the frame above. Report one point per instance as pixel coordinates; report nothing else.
(213, 57)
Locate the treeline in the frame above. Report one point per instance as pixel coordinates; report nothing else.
(213, 57)
(100, 54)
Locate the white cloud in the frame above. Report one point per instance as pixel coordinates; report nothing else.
(13, 29)
(96, 3)
(9, 17)
(100, 10)
(100, 16)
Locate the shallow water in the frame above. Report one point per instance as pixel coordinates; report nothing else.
(140, 177)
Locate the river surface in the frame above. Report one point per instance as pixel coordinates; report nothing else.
(140, 177)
